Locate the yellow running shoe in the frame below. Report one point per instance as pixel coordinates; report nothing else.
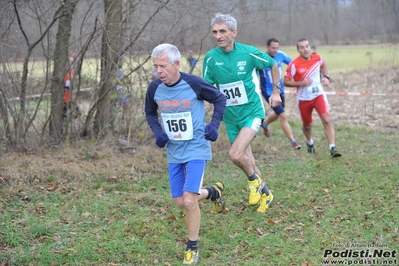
(220, 204)
(255, 191)
(265, 202)
(191, 257)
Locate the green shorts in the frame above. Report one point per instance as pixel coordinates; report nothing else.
(234, 129)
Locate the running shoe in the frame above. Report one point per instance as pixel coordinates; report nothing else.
(334, 153)
(191, 257)
(311, 148)
(266, 131)
(296, 146)
(255, 190)
(265, 202)
(220, 204)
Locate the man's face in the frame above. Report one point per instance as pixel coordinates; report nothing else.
(167, 72)
(304, 49)
(272, 49)
(314, 51)
(223, 36)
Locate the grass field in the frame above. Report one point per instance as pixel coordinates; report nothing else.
(347, 58)
(94, 205)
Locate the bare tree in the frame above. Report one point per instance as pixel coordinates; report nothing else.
(22, 123)
(61, 66)
(111, 52)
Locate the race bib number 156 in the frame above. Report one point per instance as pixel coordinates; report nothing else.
(178, 126)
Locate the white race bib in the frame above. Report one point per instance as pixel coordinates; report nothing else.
(178, 126)
(67, 83)
(235, 93)
(314, 90)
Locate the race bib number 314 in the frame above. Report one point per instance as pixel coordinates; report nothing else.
(235, 93)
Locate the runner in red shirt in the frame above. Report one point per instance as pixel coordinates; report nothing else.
(304, 74)
(67, 95)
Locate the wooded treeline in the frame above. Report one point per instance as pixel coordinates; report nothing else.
(41, 40)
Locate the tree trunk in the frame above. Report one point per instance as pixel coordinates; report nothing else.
(61, 66)
(111, 52)
(4, 115)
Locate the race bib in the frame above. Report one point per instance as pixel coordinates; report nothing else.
(235, 93)
(314, 90)
(178, 126)
(67, 83)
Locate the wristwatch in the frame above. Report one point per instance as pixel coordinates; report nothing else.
(278, 85)
(327, 76)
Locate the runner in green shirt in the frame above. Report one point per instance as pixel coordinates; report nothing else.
(233, 68)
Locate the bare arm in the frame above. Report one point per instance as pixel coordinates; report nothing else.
(275, 77)
(292, 83)
(275, 98)
(325, 77)
(323, 69)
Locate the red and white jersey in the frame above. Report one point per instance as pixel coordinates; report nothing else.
(300, 69)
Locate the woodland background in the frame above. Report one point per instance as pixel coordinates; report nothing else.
(38, 37)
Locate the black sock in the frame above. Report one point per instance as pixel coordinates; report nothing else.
(252, 177)
(213, 194)
(265, 190)
(192, 245)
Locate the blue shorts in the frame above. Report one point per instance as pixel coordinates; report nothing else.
(186, 177)
(234, 129)
(279, 109)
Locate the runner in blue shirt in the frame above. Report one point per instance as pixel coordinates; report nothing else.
(272, 49)
(179, 99)
(191, 61)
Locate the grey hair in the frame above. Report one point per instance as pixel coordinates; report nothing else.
(169, 49)
(227, 19)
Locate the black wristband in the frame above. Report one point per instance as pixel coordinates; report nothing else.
(327, 76)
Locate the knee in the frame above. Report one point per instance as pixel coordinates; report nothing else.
(179, 202)
(307, 127)
(282, 117)
(189, 203)
(326, 121)
(235, 157)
